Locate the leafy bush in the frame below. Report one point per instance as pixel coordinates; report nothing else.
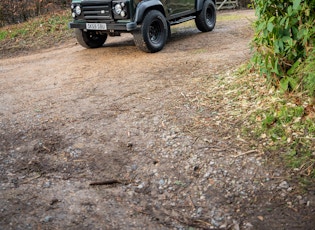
(284, 53)
(284, 40)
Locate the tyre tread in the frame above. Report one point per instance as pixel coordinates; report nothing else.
(201, 20)
(140, 34)
(83, 41)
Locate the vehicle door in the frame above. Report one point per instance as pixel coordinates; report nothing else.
(178, 7)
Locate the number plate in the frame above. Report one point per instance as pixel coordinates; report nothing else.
(96, 26)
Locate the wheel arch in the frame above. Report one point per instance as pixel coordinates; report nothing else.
(145, 6)
(199, 3)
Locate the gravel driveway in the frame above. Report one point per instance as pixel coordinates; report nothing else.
(114, 138)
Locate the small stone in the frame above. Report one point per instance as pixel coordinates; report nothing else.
(47, 219)
(236, 225)
(249, 225)
(47, 184)
(215, 223)
(289, 189)
(134, 167)
(284, 185)
(131, 193)
(261, 218)
(302, 202)
(140, 186)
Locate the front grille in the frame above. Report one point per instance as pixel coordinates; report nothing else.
(97, 11)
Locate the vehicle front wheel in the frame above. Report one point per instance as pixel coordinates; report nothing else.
(152, 35)
(206, 18)
(89, 38)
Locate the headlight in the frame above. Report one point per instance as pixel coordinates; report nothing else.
(77, 10)
(118, 9)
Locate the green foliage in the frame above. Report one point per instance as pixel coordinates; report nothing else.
(306, 73)
(283, 125)
(3, 35)
(301, 158)
(284, 37)
(285, 128)
(284, 53)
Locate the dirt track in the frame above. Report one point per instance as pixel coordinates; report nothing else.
(127, 121)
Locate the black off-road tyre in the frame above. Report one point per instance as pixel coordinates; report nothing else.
(90, 38)
(153, 33)
(206, 18)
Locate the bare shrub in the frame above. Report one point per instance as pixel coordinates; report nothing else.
(17, 11)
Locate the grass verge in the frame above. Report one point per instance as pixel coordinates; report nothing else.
(281, 124)
(40, 32)
(277, 126)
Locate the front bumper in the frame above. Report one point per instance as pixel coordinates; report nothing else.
(129, 26)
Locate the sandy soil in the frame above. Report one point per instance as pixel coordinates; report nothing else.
(107, 139)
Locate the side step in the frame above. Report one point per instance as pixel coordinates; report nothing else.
(182, 20)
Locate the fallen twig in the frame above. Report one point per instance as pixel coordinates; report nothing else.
(30, 179)
(246, 153)
(108, 182)
(203, 222)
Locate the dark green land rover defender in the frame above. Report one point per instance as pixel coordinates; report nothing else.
(148, 20)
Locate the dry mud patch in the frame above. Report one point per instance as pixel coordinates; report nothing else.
(114, 138)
